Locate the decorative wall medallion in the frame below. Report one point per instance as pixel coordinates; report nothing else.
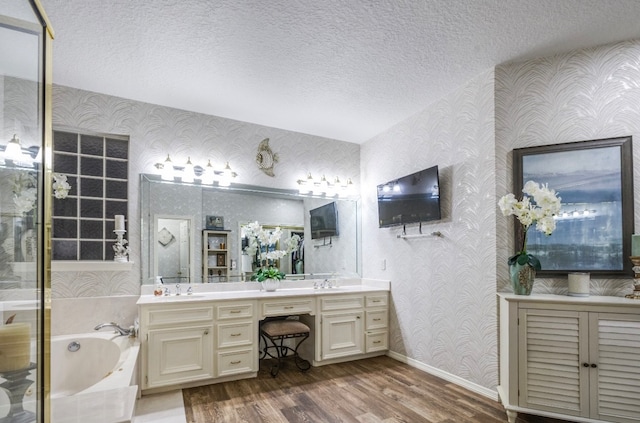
(265, 158)
(165, 237)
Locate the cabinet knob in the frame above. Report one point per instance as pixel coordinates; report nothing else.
(585, 364)
(594, 365)
(206, 331)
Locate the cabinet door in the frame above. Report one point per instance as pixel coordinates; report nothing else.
(179, 355)
(615, 381)
(553, 346)
(342, 334)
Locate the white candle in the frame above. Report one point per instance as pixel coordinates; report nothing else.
(119, 222)
(579, 284)
(15, 347)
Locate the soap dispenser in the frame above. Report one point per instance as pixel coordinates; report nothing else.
(157, 290)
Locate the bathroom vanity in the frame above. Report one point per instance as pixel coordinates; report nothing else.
(211, 335)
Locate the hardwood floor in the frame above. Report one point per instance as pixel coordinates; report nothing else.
(377, 390)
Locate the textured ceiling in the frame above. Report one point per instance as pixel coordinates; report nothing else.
(346, 70)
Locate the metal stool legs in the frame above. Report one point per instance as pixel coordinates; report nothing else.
(282, 351)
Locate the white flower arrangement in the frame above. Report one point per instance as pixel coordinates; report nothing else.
(262, 242)
(538, 206)
(25, 192)
(60, 186)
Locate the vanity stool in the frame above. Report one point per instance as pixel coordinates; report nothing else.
(277, 330)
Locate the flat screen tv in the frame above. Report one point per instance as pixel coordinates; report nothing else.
(324, 221)
(410, 199)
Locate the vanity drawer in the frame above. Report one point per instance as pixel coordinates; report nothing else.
(288, 307)
(376, 341)
(350, 302)
(376, 319)
(235, 310)
(168, 315)
(236, 361)
(377, 300)
(235, 334)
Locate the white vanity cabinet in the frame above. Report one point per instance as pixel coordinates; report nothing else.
(342, 322)
(570, 358)
(236, 338)
(177, 343)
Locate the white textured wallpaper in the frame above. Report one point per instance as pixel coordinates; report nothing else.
(585, 95)
(443, 288)
(155, 131)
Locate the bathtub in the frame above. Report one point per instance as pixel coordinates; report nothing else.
(96, 382)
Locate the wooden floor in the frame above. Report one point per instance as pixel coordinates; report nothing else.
(377, 390)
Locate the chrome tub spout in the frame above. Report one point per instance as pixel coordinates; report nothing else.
(122, 331)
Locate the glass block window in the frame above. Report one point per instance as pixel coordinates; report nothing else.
(97, 168)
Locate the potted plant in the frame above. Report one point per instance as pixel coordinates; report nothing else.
(538, 207)
(262, 243)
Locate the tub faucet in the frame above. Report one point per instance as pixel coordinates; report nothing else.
(122, 331)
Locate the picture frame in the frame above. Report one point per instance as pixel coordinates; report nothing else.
(214, 222)
(594, 180)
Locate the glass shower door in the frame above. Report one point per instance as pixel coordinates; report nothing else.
(22, 138)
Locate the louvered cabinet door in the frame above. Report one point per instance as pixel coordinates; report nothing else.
(553, 346)
(615, 377)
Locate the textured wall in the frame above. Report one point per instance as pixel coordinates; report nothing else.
(584, 95)
(155, 131)
(443, 289)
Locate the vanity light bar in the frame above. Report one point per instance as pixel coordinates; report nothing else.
(322, 187)
(168, 171)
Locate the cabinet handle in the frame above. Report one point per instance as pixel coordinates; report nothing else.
(206, 331)
(377, 320)
(288, 307)
(234, 311)
(375, 301)
(236, 334)
(376, 342)
(585, 364)
(236, 362)
(594, 365)
(357, 317)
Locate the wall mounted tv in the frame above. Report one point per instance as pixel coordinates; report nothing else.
(324, 221)
(410, 199)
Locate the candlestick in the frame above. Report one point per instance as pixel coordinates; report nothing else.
(120, 248)
(579, 284)
(636, 278)
(119, 222)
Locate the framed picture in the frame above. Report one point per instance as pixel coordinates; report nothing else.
(221, 260)
(593, 231)
(214, 222)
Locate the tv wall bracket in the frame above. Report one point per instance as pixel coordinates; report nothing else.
(420, 234)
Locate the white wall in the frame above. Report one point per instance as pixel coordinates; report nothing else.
(443, 289)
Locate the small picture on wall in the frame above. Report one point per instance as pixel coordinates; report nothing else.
(221, 260)
(214, 222)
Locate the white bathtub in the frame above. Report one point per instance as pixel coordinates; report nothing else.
(103, 362)
(98, 382)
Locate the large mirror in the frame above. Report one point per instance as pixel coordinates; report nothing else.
(228, 210)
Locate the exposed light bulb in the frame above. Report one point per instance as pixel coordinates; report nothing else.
(14, 150)
(167, 170)
(187, 172)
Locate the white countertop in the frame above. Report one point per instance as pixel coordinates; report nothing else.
(251, 290)
(566, 299)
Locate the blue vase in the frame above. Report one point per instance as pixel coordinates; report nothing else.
(522, 276)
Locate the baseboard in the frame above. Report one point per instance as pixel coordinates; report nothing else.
(474, 387)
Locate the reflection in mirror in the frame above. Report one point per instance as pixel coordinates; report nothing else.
(240, 205)
(172, 248)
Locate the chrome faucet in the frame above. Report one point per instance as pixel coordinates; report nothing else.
(122, 331)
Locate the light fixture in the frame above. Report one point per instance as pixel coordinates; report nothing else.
(190, 172)
(324, 188)
(166, 171)
(225, 177)
(13, 151)
(187, 172)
